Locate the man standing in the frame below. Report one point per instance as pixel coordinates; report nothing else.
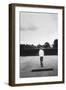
(41, 54)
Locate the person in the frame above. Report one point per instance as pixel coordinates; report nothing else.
(41, 54)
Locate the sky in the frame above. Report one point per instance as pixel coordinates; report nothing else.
(38, 28)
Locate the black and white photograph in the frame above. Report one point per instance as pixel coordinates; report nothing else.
(38, 37)
(36, 44)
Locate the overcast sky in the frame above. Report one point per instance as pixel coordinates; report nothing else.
(38, 28)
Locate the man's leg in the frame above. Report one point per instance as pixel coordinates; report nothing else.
(41, 61)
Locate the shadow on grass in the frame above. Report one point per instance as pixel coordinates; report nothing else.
(47, 69)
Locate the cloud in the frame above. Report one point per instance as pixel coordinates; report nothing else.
(32, 27)
(28, 28)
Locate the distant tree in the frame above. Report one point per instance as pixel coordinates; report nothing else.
(55, 44)
(43, 46)
(33, 46)
(46, 45)
(39, 46)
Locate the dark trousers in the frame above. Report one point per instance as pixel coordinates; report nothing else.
(41, 61)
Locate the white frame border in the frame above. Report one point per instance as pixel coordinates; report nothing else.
(38, 79)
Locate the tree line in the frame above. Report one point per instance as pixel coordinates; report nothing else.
(46, 45)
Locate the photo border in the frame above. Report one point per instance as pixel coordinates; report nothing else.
(12, 43)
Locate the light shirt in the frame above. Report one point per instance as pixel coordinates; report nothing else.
(41, 52)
